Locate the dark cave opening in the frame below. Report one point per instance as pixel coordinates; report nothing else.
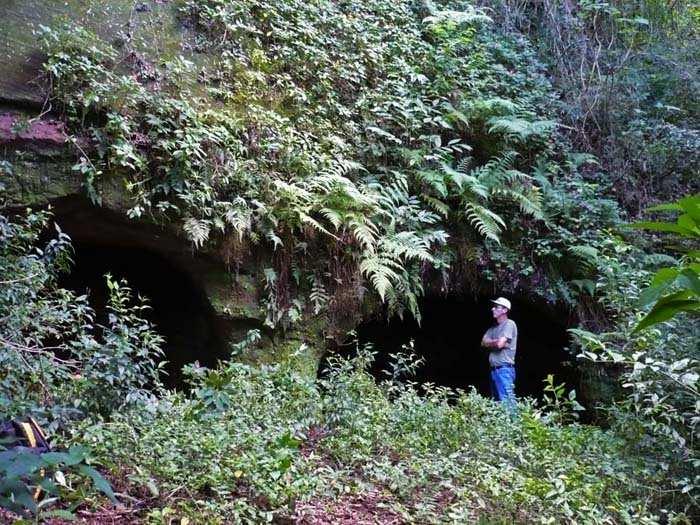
(448, 339)
(179, 309)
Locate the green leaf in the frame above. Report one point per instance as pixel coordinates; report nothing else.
(666, 308)
(662, 227)
(99, 481)
(651, 294)
(691, 206)
(23, 464)
(661, 281)
(688, 223)
(49, 486)
(689, 280)
(665, 275)
(58, 458)
(20, 496)
(289, 441)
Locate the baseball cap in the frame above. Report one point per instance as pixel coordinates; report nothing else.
(502, 301)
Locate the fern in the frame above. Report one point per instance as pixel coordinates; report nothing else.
(395, 241)
(529, 201)
(519, 129)
(318, 296)
(382, 271)
(440, 207)
(466, 181)
(586, 255)
(481, 187)
(408, 245)
(332, 216)
(470, 15)
(481, 110)
(366, 233)
(486, 222)
(197, 231)
(238, 216)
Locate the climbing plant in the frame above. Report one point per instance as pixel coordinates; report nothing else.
(364, 129)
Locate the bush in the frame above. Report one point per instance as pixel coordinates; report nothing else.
(57, 362)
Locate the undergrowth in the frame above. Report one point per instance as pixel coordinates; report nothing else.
(256, 444)
(266, 444)
(367, 145)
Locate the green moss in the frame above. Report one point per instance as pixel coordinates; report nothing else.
(234, 296)
(36, 181)
(155, 33)
(600, 382)
(303, 346)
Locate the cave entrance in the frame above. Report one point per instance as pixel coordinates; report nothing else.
(449, 337)
(158, 266)
(179, 310)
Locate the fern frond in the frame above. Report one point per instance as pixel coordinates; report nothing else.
(318, 296)
(307, 219)
(425, 216)
(366, 233)
(440, 207)
(435, 180)
(465, 181)
(435, 237)
(520, 129)
(332, 216)
(586, 255)
(197, 231)
(530, 202)
(496, 171)
(238, 216)
(465, 164)
(470, 15)
(486, 222)
(407, 245)
(382, 271)
(481, 110)
(395, 193)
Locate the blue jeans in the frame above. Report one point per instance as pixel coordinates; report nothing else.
(503, 385)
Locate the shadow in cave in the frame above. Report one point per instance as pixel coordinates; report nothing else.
(449, 338)
(179, 309)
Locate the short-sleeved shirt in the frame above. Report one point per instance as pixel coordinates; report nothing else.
(506, 355)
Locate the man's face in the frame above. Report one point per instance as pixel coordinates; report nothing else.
(497, 310)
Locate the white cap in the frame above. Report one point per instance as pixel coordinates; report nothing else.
(502, 301)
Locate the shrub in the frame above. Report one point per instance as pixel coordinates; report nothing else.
(57, 362)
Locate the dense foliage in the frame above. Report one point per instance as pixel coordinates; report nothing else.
(58, 365)
(253, 444)
(55, 355)
(377, 145)
(350, 137)
(660, 360)
(627, 74)
(270, 445)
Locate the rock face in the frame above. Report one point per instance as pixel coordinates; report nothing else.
(151, 23)
(36, 159)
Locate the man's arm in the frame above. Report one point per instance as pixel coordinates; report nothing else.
(499, 343)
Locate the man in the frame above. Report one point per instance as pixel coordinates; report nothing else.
(501, 341)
